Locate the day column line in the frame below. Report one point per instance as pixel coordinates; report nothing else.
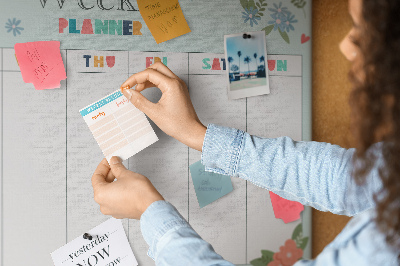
(66, 148)
(246, 191)
(188, 148)
(2, 158)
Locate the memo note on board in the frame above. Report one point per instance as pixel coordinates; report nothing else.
(108, 246)
(164, 18)
(118, 126)
(41, 63)
(209, 186)
(284, 209)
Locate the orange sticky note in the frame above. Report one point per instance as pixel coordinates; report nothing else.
(164, 18)
(41, 63)
(284, 209)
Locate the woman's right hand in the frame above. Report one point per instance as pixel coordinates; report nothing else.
(174, 112)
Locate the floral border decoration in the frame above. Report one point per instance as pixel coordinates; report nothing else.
(288, 254)
(281, 19)
(13, 26)
(299, 4)
(253, 10)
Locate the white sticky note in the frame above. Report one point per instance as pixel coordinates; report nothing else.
(108, 247)
(118, 126)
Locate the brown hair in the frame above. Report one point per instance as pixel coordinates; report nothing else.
(375, 103)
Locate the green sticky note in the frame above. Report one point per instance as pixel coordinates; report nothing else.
(209, 186)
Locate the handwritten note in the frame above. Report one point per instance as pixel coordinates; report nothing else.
(41, 63)
(118, 126)
(108, 246)
(284, 209)
(209, 186)
(164, 18)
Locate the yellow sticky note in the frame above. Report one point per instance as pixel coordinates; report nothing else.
(164, 18)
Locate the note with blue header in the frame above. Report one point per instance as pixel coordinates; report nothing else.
(118, 126)
(209, 186)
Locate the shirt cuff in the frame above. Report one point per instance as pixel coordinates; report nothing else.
(158, 219)
(222, 148)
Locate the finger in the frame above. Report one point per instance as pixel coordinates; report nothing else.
(100, 174)
(104, 210)
(140, 102)
(117, 167)
(110, 177)
(142, 86)
(118, 216)
(159, 80)
(160, 67)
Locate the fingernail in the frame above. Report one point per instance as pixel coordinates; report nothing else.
(115, 160)
(124, 88)
(127, 93)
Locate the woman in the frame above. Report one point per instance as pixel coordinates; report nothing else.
(362, 182)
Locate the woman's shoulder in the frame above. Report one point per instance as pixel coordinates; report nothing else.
(362, 241)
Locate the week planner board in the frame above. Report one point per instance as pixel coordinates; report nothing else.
(48, 153)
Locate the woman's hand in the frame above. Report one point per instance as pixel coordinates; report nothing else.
(127, 197)
(174, 113)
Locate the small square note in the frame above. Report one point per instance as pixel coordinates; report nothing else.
(118, 126)
(41, 63)
(209, 186)
(107, 245)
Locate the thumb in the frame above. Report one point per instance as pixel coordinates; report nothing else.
(138, 100)
(117, 167)
(100, 174)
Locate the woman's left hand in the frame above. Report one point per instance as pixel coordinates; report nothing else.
(127, 197)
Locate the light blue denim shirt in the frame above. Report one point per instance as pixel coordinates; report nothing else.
(312, 173)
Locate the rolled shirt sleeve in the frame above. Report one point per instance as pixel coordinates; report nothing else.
(316, 174)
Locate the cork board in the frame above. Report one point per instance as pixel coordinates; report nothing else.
(330, 108)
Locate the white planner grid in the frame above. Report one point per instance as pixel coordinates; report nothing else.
(49, 155)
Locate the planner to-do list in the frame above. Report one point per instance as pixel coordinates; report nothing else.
(118, 126)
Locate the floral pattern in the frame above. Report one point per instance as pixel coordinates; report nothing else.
(288, 254)
(279, 11)
(279, 22)
(300, 4)
(275, 263)
(12, 26)
(250, 15)
(289, 22)
(281, 19)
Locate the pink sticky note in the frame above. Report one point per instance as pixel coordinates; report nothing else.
(41, 63)
(284, 209)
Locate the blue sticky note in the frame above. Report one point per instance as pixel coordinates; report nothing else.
(209, 186)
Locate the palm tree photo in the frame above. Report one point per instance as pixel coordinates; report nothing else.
(262, 59)
(255, 57)
(239, 54)
(247, 60)
(230, 59)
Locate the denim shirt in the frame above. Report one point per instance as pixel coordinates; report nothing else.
(312, 173)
